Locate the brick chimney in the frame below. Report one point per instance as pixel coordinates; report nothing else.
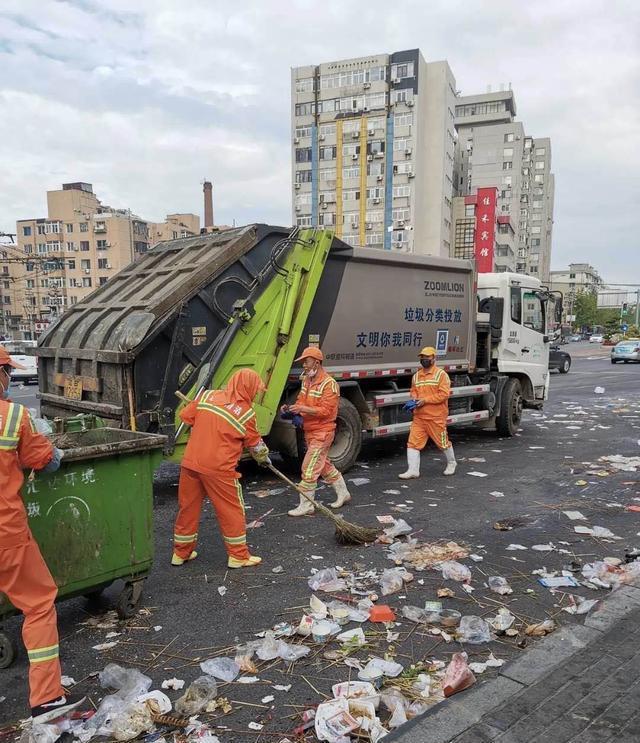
(207, 189)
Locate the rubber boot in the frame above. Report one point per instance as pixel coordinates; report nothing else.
(304, 508)
(176, 560)
(450, 469)
(342, 493)
(249, 562)
(413, 465)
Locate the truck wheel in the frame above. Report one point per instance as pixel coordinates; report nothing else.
(348, 439)
(508, 422)
(7, 651)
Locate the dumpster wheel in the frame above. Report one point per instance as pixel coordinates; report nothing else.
(7, 651)
(128, 599)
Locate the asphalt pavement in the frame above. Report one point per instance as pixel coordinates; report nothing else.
(527, 481)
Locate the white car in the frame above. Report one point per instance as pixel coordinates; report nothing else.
(21, 352)
(596, 339)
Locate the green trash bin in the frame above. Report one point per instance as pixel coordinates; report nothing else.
(93, 518)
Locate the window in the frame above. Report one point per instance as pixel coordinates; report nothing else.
(507, 152)
(304, 221)
(328, 153)
(102, 244)
(302, 131)
(539, 178)
(303, 154)
(352, 219)
(26, 231)
(374, 216)
(533, 312)
(71, 264)
(327, 130)
(404, 119)
(401, 144)
(476, 109)
(31, 284)
(375, 147)
(508, 137)
(349, 150)
(376, 168)
(535, 242)
(84, 245)
(303, 198)
(528, 143)
(403, 167)
(507, 165)
(86, 281)
(516, 305)
(507, 180)
(85, 264)
(303, 176)
(536, 230)
(84, 227)
(541, 151)
(399, 215)
(401, 191)
(350, 194)
(305, 85)
(539, 164)
(305, 109)
(71, 246)
(373, 238)
(402, 96)
(42, 248)
(469, 210)
(103, 263)
(327, 174)
(28, 248)
(351, 172)
(400, 71)
(69, 227)
(326, 219)
(41, 229)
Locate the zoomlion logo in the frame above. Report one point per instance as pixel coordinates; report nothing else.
(443, 286)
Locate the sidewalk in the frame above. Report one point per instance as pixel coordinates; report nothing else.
(578, 685)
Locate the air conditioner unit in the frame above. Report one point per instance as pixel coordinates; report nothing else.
(398, 245)
(297, 186)
(401, 223)
(409, 103)
(369, 158)
(380, 178)
(372, 132)
(365, 108)
(368, 226)
(379, 155)
(109, 265)
(298, 208)
(296, 140)
(407, 152)
(87, 270)
(411, 175)
(324, 205)
(355, 135)
(321, 137)
(395, 80)
(366, 86)
(354, 225)
(376, 200)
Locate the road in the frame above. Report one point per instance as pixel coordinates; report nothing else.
(532, 478)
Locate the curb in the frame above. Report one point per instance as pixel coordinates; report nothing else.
(451, 718)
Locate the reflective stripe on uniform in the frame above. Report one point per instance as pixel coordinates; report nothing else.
(185, 538)
(240, 496)
(224, 414)
(42, 655)
(247, 416)
(10, 435)
(308, 473)
(242, 539)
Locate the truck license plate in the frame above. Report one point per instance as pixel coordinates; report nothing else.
(73, 388)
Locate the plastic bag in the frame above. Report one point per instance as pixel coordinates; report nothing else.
(399, 528)
(133, 721)
(43, 426)
(128, 682)
(452, 570)
(197, 696)
(224, 669)
(326, 580)
(40, 734)
(458, 676)
(502, 621)
(391, 581)
(499, 585)
(397, 704)
(473, 630)
(272, 648)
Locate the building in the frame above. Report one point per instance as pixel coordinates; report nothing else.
(58, 259)
(579, 277)
(373, 145)
(494, 151)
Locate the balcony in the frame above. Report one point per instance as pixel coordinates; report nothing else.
(100, 227)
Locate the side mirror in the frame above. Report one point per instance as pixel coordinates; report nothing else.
(546, 339)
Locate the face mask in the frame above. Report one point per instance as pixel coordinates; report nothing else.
(311, 373)
(426, 363)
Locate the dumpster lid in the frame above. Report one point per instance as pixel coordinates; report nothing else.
(105, 442)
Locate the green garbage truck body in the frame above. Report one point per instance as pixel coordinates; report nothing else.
(192, 311)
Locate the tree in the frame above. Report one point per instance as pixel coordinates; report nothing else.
(586, 309)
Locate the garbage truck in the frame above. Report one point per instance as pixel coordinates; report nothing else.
(191, 311)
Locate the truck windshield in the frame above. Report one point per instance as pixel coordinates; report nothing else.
(533, 312)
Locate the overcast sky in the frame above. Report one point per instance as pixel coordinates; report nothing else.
(144, 99)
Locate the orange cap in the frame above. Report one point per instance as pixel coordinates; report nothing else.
(6, 360)
(311, 352)
(428, 351)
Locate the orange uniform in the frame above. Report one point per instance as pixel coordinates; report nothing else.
(430, 420)
(223, 423)
(323, 395)
(24, 576)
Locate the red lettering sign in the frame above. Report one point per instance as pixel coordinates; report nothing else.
(485, 229)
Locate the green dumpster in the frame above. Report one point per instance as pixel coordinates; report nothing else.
(93, 518)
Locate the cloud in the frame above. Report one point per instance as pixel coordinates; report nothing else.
(146, 99)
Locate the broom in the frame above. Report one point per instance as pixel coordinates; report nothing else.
(346, 533)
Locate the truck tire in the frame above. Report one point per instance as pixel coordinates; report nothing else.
(508, 422)
(348, 439)
(566, 365)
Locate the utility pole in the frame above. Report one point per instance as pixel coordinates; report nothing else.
(637, 307)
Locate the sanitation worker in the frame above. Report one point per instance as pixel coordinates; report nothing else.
(24, 576)
(223, 423)
(430, 389)
(317, 403)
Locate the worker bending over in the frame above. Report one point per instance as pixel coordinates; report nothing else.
(24, 576)
(317, 403)
(223, 423)
(430, 390)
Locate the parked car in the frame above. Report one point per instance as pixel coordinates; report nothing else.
(596, 339)
(575, 338)
(559, 360)
(22, 353)
(627, 350)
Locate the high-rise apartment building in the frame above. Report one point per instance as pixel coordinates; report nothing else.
(58, 259)
(494, 151)
(577, 279)
(373, 144)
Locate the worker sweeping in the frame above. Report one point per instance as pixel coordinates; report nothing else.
(24, 576)
(222, 424)
(430, 390)
(317, 404)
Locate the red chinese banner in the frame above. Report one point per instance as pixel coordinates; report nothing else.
(485, 229)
